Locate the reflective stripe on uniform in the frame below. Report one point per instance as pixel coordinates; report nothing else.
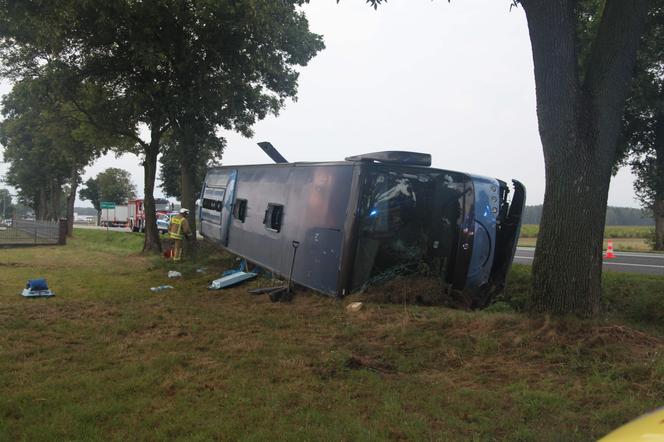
(173, 233)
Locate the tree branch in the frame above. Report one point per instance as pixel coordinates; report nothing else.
(611, 63)
(95, 123)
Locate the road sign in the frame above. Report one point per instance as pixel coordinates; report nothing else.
(107, 205)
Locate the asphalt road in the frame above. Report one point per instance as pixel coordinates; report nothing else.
(645, 263)
(93, 227)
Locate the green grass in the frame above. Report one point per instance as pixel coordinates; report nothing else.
(643, 232)
(625, 238)
(107, 359)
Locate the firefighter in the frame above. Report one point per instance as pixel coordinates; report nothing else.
(178, 229)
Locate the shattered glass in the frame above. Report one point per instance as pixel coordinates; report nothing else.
(409, 223)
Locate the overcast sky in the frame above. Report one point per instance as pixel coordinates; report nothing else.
(451, 79)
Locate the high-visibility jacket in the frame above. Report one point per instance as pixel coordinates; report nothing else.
(179, 227)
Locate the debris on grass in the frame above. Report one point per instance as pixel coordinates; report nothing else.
(231, 280)
(354, 307)
(37, 288)
(160, 288)
(174, 274)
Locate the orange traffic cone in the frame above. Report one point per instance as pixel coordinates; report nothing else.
(609, 251)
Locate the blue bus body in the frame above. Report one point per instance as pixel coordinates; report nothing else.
(356, 221)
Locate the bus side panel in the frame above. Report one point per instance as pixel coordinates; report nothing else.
(315, 202)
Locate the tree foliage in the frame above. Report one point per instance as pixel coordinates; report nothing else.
(189, 67)
(49, 141)
(643, 122)
(210, 151)
(112, 185)
(6, 204)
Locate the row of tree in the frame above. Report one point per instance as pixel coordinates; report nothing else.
(615, 216)
(10, 208)
(145, 77)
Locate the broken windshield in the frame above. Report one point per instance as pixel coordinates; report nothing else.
(409, 222)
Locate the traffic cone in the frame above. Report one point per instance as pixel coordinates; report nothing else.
(609, 251)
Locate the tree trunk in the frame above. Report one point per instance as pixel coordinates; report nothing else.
(187, 187)
(568, 258)
(71, 200)
(659, 224)
(152, 242)
(579, 122)
(40, 205)
(658, 184)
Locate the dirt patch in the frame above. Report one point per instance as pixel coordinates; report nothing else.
(414, 290)
(13, 264)
(366, 363)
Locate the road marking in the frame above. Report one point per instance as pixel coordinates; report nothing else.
(632, 265)
(530, 258)
(628, 254)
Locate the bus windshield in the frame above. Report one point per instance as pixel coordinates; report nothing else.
(409, 222)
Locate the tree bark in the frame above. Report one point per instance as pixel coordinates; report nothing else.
(659, 224)
(71, 200)
(579, 122)
(152, 242)
(187, 187)
(55, 191)
(658, 204)
(40, 205)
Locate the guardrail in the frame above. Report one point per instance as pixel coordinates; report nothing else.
(23, 232)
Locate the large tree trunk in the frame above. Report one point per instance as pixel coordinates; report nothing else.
(187, 186)
(152, 242)
(579, 122)
(71, 200)
(54, 201)
(658, 204)
(40, 205)
(659, 224)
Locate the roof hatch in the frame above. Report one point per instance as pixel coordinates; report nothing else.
(395, 156)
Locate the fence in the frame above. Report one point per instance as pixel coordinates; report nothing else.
(23, 232)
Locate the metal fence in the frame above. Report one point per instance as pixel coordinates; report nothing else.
(21, 232)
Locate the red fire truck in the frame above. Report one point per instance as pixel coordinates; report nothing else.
(137, 212)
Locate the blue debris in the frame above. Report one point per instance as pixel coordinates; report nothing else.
(230, 280)
(242, 268)
(36, 288)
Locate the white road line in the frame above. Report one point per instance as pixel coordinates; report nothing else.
(632, 265)
(641, 255)
(530, 258)
(634, 254)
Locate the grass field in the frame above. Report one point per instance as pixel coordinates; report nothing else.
(107, 359)
(625, 238)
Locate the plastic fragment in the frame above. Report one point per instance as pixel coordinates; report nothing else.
(160, 288)
(354, 307)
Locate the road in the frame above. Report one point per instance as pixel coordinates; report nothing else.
(93, 227)
(645, 263)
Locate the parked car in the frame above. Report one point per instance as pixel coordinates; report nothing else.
(6, 222)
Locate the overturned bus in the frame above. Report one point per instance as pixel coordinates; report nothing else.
(338, 227)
